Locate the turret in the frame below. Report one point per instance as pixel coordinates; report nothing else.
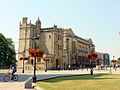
(38, 24)
(24, 20)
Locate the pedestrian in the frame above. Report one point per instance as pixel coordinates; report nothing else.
(58, 67)
(69, 67)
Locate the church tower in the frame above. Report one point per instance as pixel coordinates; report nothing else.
(26, 32)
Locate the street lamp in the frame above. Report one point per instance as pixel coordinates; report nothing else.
(46, 59)
(23, 60)
(91, 66)
(34, 77)
(68, 50)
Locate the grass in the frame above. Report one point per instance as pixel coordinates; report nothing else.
(87, 82)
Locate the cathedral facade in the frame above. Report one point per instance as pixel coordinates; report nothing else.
(60, 45)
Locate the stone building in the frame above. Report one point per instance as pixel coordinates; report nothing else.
(103, 59)
(60, 45)
(106, 59)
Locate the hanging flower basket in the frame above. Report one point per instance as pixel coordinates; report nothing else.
(25, 58)
(46, 59)
(94, 61)
(113, 60)
(21, 58)
(94, 55)
(89, 56)
(36, 53)
(32, 52)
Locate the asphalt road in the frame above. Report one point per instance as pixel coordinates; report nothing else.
(23, 77)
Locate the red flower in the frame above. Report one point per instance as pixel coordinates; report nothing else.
(88, 56)
(21, 58)
(46, 59)
(94, 55)
(25, 58)
(94, 61)
(113, 60)
(36, 53)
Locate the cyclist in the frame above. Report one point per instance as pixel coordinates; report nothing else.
(12, 69)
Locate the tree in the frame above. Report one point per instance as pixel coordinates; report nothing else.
(119, 58)
(7, 51)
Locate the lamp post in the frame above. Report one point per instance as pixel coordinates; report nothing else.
(23, 60)
(46, 62)
(68, 50)
(91, 68)
(91, 57)
(34, 77)
(91, 72)
(111, 64)
(46, 66)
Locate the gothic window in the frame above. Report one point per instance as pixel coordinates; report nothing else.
(33, 31)
(73, 47)
(32, 45)
(59, 48)
(59, 37)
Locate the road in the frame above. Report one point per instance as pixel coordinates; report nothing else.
(19, 85)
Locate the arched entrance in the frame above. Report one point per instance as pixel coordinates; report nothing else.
(57, 63)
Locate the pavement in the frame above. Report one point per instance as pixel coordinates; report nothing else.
(41, 75)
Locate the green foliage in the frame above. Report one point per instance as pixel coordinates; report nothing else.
(119, 58)
(7, 51)
(118, 61)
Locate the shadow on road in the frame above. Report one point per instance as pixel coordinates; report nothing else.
(23, 77)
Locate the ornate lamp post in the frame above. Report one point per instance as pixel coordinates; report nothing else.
(23, 60)
(68, 50)
(91, 56)
(46, 60)
(110, 64)
(35, 53)
(34, 77)
(113, 63)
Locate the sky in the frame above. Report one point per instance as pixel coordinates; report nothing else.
(95, 19)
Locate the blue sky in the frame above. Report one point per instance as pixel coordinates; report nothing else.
(97, 19)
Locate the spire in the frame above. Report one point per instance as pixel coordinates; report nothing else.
(20, 23)
(38, 21)
(38, 18)
(30, 21)
(55, 25)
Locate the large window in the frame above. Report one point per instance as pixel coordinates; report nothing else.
(73, 47)
(59, 37)
(59, 48)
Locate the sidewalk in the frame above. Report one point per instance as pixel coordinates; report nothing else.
(13, 86)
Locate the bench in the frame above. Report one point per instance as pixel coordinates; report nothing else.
(28, 83)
